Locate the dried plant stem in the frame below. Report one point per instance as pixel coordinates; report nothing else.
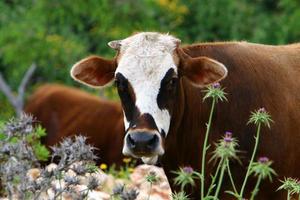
(204, 149)
(251, 161)
(255, 190)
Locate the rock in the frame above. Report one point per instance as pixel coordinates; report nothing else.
(159, 190)
(33, 174)
(97, 195)
(51, 167)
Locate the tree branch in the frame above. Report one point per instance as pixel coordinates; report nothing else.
(17, 101)
(22, 87)
(7, 91)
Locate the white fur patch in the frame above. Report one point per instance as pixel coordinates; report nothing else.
(150, 160)
(146, 58)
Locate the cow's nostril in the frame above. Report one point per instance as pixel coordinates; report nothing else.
(153, 141)
(130, 141)
(142, 142)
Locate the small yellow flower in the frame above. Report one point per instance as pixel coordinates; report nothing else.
(103, 166)
(126, 160)
(130, 169)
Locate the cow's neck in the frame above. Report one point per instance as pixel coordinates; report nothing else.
(187, 127)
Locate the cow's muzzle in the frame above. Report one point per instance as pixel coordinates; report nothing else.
(142, 144)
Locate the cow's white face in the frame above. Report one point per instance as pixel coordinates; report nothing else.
(146, 72)
(145, 61)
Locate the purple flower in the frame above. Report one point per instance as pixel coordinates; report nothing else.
(228, 139)
(228, 134)
(216, 85)
(261, 110)
(188, 170)
(263, 160)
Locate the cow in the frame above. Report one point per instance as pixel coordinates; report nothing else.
(160, 86)
(64, 111)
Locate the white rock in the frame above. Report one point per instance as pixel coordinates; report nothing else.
(33, 174)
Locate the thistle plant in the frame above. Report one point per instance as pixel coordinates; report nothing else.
(259, 117)
(216, 93)
(224, 152)
(262, 170)
(18, 157)
(186, 176)
(291, 185)
(122, 193)
(179, 196)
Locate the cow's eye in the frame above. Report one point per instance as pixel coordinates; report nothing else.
(171, 83)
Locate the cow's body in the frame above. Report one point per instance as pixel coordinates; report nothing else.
(65, 111)
(258, 76)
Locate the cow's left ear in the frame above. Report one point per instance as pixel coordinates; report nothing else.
(201, 71)
(94, 71)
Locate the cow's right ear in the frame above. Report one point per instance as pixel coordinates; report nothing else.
(201, 71)
(94, 71)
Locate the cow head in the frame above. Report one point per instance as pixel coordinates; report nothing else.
(147, 70)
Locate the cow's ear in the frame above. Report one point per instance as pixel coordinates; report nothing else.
(201, 71)
(94, 71)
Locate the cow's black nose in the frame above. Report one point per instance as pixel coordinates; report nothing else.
(142, 142)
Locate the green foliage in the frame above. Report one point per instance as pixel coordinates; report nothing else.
(55, 34)
(34, 140)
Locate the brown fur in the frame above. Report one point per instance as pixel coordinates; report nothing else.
(258, 76)
(64, 111)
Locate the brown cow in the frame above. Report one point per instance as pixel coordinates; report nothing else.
(65, 111)
(159, 84)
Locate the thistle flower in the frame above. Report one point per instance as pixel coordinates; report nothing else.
(186, 176)
(179, 196)
(21, 126)
(260, 116)
(188, 170)
(71, 150)
(216, 92)
(216, 85)
(263, 160)
(124, 194)
(226, 147)
(291, 185)
(228, 134)
(130, 194)
(118, 189)
(152, 177)
(93, 183)
(262, 168)
(79, 169)
(71, 180)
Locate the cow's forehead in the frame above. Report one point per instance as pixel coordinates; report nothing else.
(148, 44)
(147, 54)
